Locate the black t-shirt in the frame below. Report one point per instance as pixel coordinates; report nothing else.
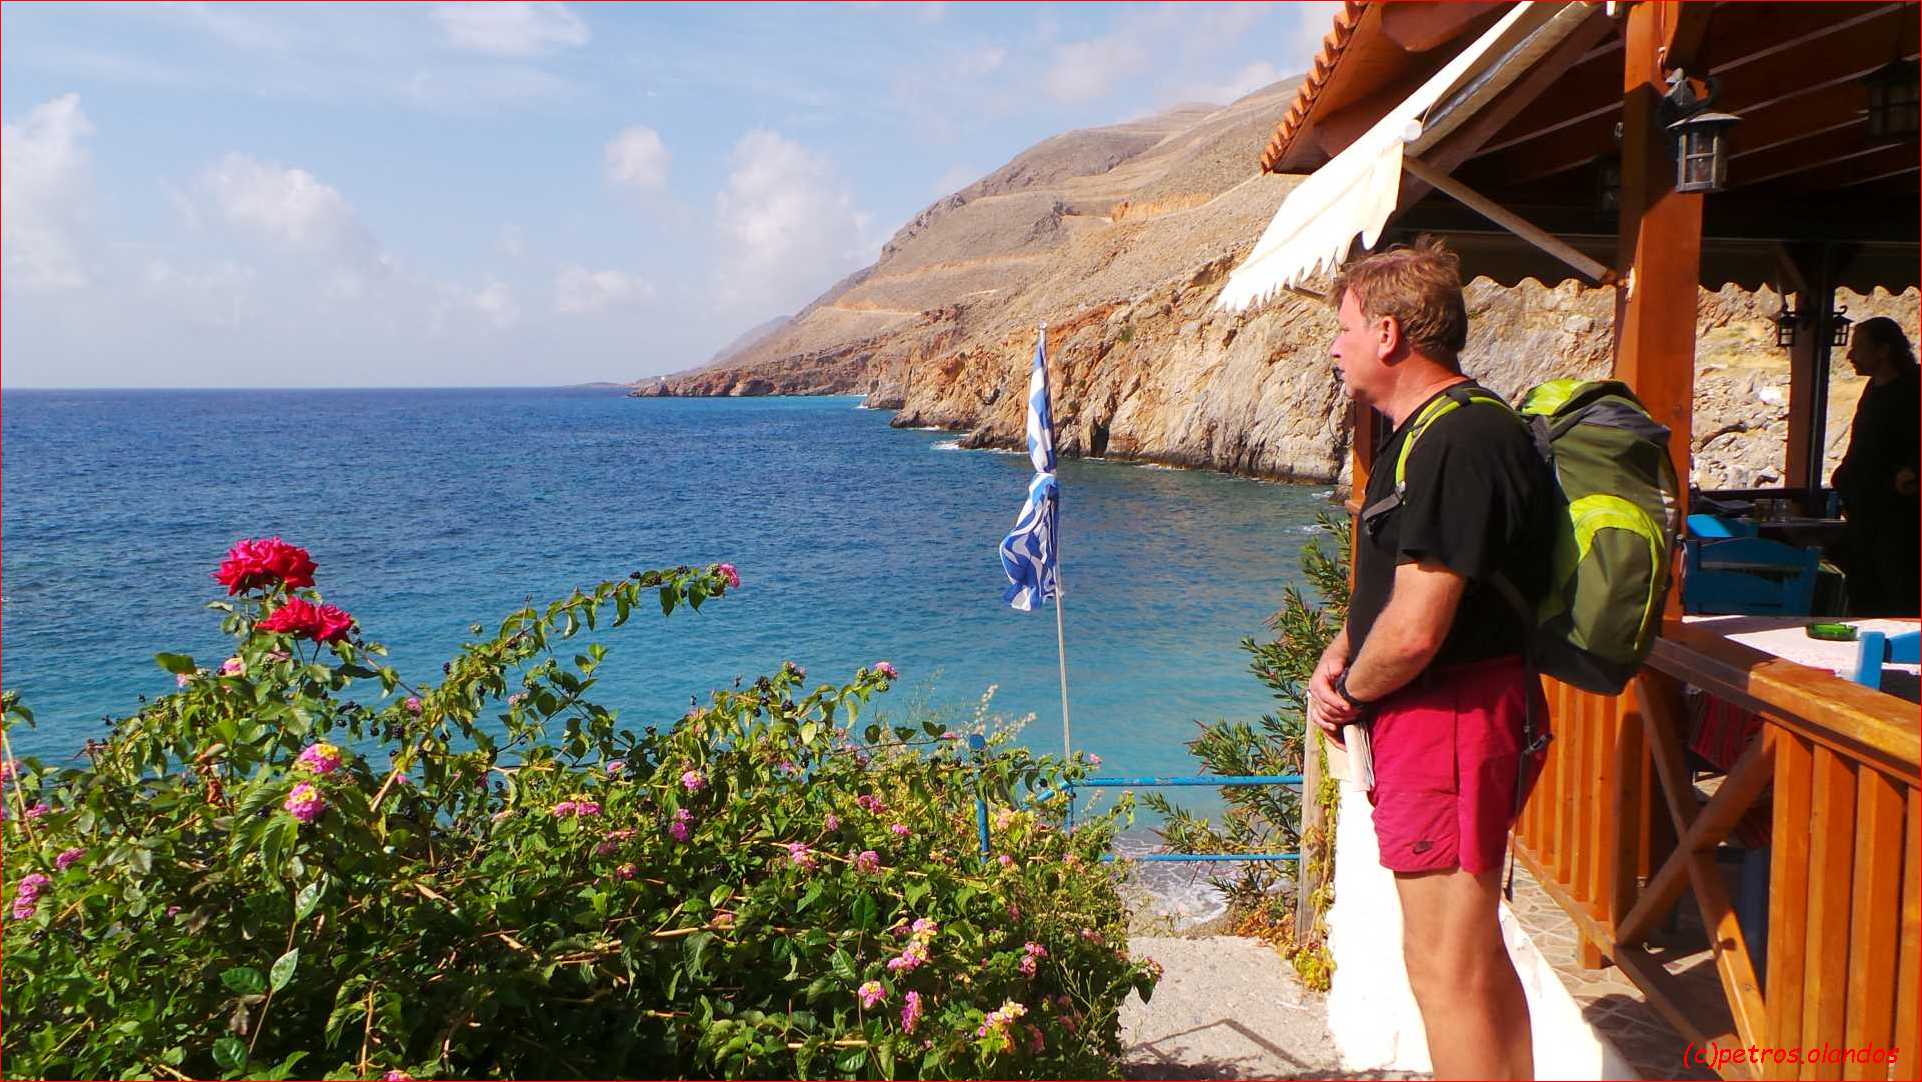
(1883, 441)
(1477, 500)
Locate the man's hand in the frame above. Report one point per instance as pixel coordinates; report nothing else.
(1326, 708)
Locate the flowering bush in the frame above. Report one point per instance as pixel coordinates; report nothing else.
(299, 864)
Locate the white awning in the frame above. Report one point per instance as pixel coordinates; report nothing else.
(1356, 192)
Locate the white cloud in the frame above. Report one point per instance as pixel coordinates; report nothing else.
(495, 302)
(510, 29)
(231, 27)
(636, 158)
(44, 189)
(512, 241)
(788, 224)
(217, 295)
(578, 291)
(1250, 78)
(1085, 70)
(289, 207)
(974, 63)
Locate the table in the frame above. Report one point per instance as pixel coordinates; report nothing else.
(1803, 532)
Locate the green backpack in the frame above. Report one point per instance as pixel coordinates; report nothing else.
(1616, 526)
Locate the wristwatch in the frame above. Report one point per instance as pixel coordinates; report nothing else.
(1341, 689)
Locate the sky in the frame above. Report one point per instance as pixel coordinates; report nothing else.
(365, 195)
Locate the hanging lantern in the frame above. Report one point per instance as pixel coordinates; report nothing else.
(1608, 185)
(1701, 151)
(1839, 326)
(1786, 322)
(1895, 96)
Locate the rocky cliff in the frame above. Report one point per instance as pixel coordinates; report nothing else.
(1120, 239)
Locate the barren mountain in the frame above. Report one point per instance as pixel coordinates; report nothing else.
(1119, 238)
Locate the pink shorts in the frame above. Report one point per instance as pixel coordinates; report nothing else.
(1447, 750)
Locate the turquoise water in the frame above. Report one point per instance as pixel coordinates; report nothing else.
(431, 510)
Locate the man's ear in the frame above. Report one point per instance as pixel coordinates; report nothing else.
(1388, 337)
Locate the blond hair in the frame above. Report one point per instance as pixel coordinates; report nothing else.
(1419, 286)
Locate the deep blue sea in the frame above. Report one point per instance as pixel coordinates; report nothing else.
(430, 510)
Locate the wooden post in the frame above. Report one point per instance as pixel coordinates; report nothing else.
(1313, 822)
(1660, 248)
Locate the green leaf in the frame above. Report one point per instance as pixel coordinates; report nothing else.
(283, 970)
(244, 980)
(694, 950)
(667, 600)
(230, 1053)
(885, 1054)
(306, 900)
(718, 895)
(813, 895)
(809, 731)
(175, 663)
(842, 965)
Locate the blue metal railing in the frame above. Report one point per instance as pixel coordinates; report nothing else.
(976, 742)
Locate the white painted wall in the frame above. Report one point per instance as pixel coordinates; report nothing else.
(1372, 1012)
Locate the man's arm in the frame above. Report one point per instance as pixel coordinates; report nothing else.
(1409, 631)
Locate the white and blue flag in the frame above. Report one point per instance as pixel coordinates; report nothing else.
(1027, 553)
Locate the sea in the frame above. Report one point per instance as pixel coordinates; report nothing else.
(431, 510)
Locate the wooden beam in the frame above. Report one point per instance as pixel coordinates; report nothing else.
(1788, 895)
(1659, 252)
(1875, 920)
(1809, 261)
(1683, 26)
(1421, 26)
(1700, 831)
(1574, 120)
(1508, 220)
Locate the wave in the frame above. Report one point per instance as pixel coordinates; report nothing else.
(948, 445)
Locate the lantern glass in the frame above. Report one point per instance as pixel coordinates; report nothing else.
(1839, 327)
(1785, 321)
(1895, 102)
(1701, 152)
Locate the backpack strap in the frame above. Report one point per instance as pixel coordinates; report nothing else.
(1454, 398)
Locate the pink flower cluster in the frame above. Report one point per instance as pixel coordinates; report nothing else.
(304, 620)
(1000, 1019)
(322, 759)
(612, 841)
(682, 828)
(887, 669)
(870, 994)
(39, 810)
(911, 959)
(412, 704)
(801, 856)
(832, 823)
(578, 809)
(911, 1011)
(26, 897)
(1033, 953)
(233, 666)
(626, 871)
(305, 803)
(69, 857)
(899, 830)
(867, 862)
(732, 576)
(871, 804)
(255, 562)
(693, 781)
(616, 766)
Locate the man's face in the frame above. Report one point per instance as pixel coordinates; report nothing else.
(1863, 354)
(1358, 351)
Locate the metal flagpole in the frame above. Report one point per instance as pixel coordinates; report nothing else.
(1060, 636)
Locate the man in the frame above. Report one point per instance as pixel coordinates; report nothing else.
(1431, 653)
(1877, 477)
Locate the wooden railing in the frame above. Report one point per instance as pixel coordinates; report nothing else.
(1616, 833)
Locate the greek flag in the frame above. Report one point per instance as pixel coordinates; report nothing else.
(1027, 553)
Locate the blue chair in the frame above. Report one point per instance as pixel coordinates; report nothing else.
(1716, 526)
(1877, 649)
(1748, 576)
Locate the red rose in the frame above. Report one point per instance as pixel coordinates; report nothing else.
(304, 620)
(254, 563)
(332, 624)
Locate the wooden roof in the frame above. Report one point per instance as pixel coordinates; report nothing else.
(1802, 164)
